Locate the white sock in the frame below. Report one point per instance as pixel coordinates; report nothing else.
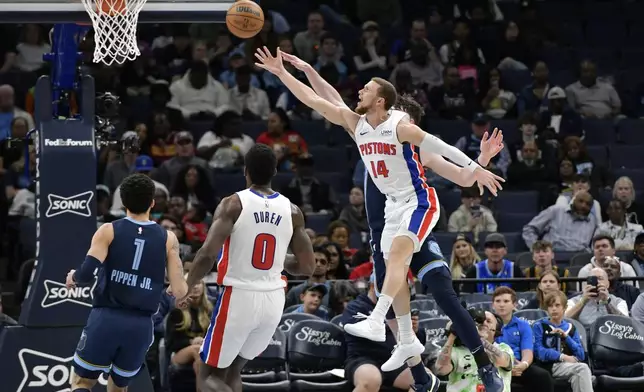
(405, 329)
(380, 311)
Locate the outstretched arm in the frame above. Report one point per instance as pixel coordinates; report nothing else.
(222, 226)
(338, 115)
(319, 85)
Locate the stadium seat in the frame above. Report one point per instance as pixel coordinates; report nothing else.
(338, 181)
(337, 320)
(487, 305)
(449, 130)
(524, 297)
(314, 348)
(599, 132)
(473, 298)
(318, 222)
(581, 259)
(423, 304)
(514, 241)
(228, 183)
(329, 159)
(288, 320)
(513, 221)
(313, 132)
(269, 368)
(445, 241)
(636, 175)
(563, 257)
(510, 130)
(517, 202)
(583, 334)
(616, 341)
(599, 154)
(627, 157)
(523, 259)
(631, 131)
(449, 200)
(531, 315)
(254, 129)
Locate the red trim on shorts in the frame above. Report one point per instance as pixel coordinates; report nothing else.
(222, 264)
(217, 336)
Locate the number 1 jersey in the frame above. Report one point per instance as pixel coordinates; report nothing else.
(252, 258)
(394, 166)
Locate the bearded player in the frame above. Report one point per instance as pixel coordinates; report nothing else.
(411, 207)
(428, 264)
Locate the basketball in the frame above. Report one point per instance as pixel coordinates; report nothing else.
(245, 18)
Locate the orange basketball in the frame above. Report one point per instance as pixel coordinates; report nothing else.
(111, 7)
(245, 18)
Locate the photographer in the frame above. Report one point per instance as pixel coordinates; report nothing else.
(595, 300)
(558, 347)
(456, 360)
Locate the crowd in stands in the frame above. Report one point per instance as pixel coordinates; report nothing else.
(561, 79)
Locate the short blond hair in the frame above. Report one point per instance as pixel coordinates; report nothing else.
(551, 298)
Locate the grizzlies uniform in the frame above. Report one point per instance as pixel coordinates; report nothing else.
(250, 270)
(411, 207)
(119, 329)
(464, 377)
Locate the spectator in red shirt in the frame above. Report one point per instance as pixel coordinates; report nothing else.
(286, 143)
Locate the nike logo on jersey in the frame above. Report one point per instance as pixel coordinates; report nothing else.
(364, 133)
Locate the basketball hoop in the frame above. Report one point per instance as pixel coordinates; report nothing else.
(114, 23)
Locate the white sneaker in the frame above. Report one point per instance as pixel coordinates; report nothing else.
(367, 329)
(401, 353)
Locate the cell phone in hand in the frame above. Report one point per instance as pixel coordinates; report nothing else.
(593, 281)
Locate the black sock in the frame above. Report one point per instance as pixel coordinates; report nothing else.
(419, 373)
(480, 356)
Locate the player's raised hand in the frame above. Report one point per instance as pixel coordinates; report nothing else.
(267, 61)
(69, 282)
(489, 180)
(491, 145)
(296, 62)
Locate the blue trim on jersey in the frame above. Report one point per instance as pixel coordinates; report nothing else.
(271, 196)
(422, 194)
(432, 265)
(144, 223)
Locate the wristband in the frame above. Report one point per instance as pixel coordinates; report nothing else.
(470, 167)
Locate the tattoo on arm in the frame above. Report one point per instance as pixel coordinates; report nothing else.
(444, 361)
(496, 355)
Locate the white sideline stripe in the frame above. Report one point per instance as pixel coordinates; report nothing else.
(149, 6)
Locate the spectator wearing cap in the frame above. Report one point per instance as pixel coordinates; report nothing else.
(543, 257)
(306, 42)
(580, 183)
(592, 98)
(311, 299)
(142, 164)
(559, 121)
(236, 62)
(197, 93)
(568, 229)
(116, 171)
(455, 99)
(370, 52)
(533, 97)
(603, 247)
(494, 266)
(185, 155)
(471, 216)
(364, 357)
(471, 145)
(307, 191)
(322, 257)
(250, 101)
(226, 145)
(618, 227)
(638, 255)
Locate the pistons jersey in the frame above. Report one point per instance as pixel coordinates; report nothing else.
(252, 257)
(394, 166)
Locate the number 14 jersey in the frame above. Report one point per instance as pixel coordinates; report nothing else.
(252, 258)
(394, 166)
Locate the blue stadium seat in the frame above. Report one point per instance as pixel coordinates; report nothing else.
(449, 130)
(330, 159)
(627, 157)
(572, 34)
(632, 58)
(513, 222)
(254, 129)
(515, 80)
(445, 241)
(228, 183)
(199, 128)
(510, 130)
(636, 175)
(599, 132)
(318, 222)
(282, 179)
(599, 154)
(339, 182)
(313, 132)
(631, 131)
(449, 200)
(605, 33)
(517, 202)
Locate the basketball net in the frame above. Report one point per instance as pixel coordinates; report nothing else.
(114, 23)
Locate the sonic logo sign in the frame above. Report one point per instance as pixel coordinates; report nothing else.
(318, 338)
(44, 372)
(620, 331)
(57, 293)
(77, 204)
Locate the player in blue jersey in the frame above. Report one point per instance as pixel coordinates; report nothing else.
(428, 264)
(131, 255)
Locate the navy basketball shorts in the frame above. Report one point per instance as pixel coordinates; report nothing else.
(114, 341)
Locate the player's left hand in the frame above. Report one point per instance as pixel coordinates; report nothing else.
(489, 180)
(272, 64)
(69, 282)
(491, 145)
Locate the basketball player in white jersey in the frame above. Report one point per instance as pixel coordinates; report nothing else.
(385, 144)
(249, 238)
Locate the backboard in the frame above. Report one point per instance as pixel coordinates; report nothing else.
(154, 11)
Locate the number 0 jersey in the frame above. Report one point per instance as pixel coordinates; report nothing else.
(394, 166)
(253, 256)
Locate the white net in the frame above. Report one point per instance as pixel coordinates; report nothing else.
(114, 23)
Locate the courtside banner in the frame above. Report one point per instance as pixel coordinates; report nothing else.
(41, 359)
(65, 221)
